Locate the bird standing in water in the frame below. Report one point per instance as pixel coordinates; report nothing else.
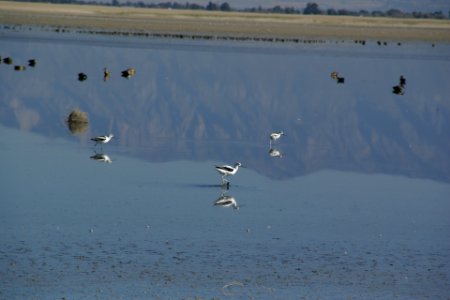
(102, 139)
(275, 136)
(226, 170)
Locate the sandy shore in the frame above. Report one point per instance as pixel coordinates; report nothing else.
(221, 24)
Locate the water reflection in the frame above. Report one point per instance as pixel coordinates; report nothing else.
(336, 232)
(184, 108)
(275, 153)
(226, 201)
(77, 121)
(101, 157)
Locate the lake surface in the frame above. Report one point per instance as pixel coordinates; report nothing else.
(353, 202)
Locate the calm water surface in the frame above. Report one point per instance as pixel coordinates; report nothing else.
(357, 206)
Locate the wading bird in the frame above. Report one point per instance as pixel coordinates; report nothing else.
(226, 170)
(275, 136)
(102, 139)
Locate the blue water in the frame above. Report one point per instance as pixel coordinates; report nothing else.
(356, 207)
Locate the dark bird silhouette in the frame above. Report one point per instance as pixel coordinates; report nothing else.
(32, 62)
(8, 60)
(106, 74)
(128, 73)
(82, 77)
(19, 68)
(398, 90)
(335, 76)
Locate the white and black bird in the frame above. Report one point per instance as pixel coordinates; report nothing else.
(226, 201)
(226, 170)
(275, 136)
(102, 139)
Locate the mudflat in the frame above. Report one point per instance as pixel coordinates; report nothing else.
(221, 24)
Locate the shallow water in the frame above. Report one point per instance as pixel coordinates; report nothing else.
(356, 207)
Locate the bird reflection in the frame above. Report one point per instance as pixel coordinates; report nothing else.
(226, 201)
(275, 153)
(101, 157)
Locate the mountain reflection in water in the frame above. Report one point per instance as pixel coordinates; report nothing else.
(207, 100)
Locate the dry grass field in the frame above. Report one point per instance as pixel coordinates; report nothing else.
(234, 24)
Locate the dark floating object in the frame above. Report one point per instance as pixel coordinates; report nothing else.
(32, 62)
(82, 77)
(77, 121)
(106, 74)
(19, 68)
(402, 80)
(128, 73)
(8, 60)
(340, 80)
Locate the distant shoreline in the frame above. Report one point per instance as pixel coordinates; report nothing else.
(232, 25)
